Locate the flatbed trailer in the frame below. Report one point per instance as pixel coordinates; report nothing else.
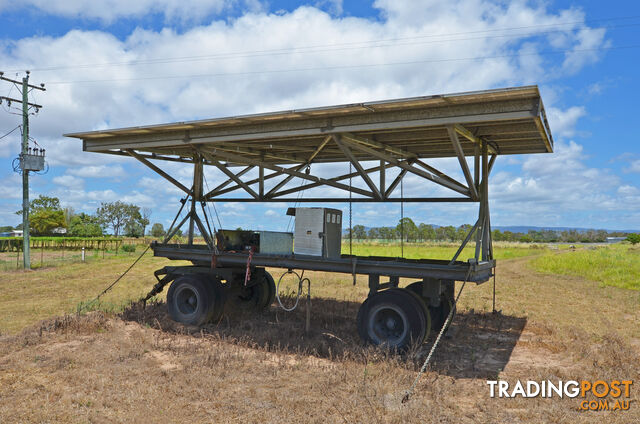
(267, 158)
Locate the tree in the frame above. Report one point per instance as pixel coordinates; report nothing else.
(69, 213)
(157, 230)
(119, 215)
(427, 232)
(45, 214)
(146, 214)
(42, 203)
(462, 231)
(633, 239)
(45, 220)
(359, 232)
(113, 214)
(84, 225)
(409, 228)
(133, 226)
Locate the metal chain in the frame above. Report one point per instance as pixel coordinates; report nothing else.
(407, 395)
(85, 306)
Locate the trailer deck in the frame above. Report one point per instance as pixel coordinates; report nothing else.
(367, 265)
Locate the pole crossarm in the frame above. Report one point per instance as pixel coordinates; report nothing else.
(453, 135)
(337, 138)
(405, 165)
(40, 87)
(159, 171)
(10, 99)
(471, 137)
(249, 161)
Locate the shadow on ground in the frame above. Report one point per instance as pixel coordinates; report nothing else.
(477, 345)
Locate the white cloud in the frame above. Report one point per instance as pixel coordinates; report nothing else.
(98, 171)
(563, 122)
(110, 10)
(628, 190)
(634, 166)
(68, 181)
(139, 94)
(551, 187)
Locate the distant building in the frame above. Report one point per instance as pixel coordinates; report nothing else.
(13, 233)
(615, 239)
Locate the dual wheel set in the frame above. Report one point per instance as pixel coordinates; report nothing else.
(397, 317)
(196, 299)
(401, 317)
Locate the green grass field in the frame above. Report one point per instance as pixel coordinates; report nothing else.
(616, 265)
(438, 250)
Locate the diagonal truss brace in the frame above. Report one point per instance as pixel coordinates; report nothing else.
(356, 164)
(250, 161)
(159, 171)
(453, 135)
(356, 144)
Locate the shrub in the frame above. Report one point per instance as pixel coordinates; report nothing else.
(129, 248)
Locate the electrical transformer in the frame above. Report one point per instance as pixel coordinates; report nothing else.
(318, 231)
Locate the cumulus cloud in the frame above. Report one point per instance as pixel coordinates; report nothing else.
(262, 61)
(68, 181)
(563, 122)
(110, 10)
(634, 166)
(98, 171)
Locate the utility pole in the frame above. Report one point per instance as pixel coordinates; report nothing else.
(26, 162)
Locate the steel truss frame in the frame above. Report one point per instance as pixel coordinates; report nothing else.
(475, 187)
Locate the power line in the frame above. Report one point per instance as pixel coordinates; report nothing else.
(347, 45)
(369, 65)
(9, 132)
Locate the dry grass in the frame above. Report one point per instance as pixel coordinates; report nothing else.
(139, 366)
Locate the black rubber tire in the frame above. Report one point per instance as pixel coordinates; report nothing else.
(425, 311)
(394, 318)
(260, 294)
(438, 313)
(272, 289)
(189, 301)
(217, 294)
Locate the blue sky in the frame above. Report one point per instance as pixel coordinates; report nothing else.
(583, 55)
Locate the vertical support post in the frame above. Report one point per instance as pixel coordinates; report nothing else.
(374, 284)
(261, 182)
(383, 177)
(26, 256)
(196, 195)
(476, 166)
(485, 201)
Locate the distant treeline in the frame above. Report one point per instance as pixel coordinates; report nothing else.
(425, 232)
